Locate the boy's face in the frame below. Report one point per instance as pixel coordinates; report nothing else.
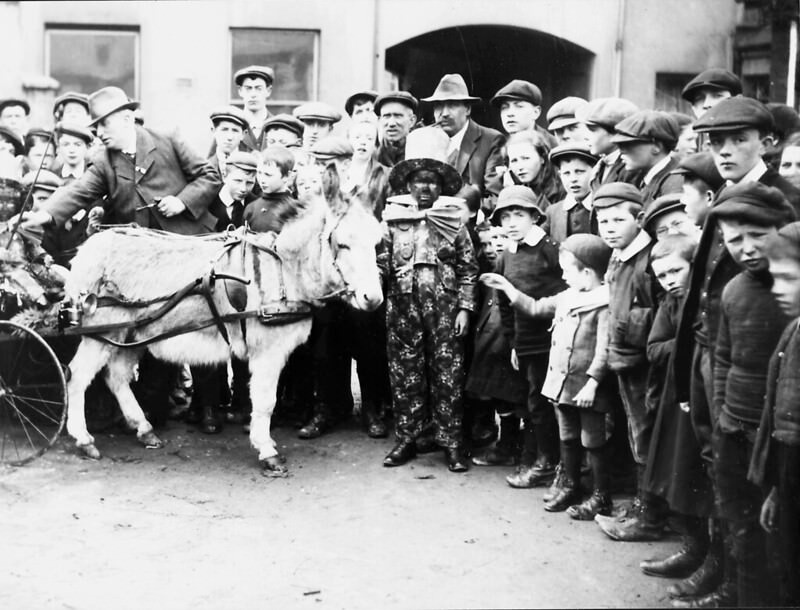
(617, 226)
(672, 272)
(72, 149)
(227, 136)
(638, 155)
(574, 274)
(254, 93)
(270, 178)
(707, 97)
(517, 222)
(278, 136)
(425, 186)
(736, 152)
(486, 247)
(577, 132)
(308, 181)
(15, 119)
(73, 112)
(674, 223)
(575, 174)
(786, 284)
(362, 138)
(363, 111)
(687, 142)
(239, 182)
(745, 242)
(790, 165)
(697, 200)
(314, 130)
(499, 238)
(600, 140)
(518, 115)
(524, 161)
(41, 153)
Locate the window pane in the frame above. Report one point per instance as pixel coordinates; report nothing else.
(85, 61)
(668, 92)
(290, 53)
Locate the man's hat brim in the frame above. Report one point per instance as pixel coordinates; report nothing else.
(467, 99)
(451, 179)
(130, 105)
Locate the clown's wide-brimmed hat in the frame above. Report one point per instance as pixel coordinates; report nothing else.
(426, 148)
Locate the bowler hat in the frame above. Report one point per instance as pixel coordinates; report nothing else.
(367, 94)
(319, 111)
(614, 193)
(665, 204)
(572, 149)
(426, 148)
(753, 202)
(46, 180)
(515, 196)
(648, 126)
(331, 147)
(264, 72)
(75, 130)
(714, 78)
(285, 121)
(702, 166)
(517, 89)
(244, 160)
(106, 101)
(736, 113)
(14, 101)
(229, 113)
(606, 112)
(451, 88)
(590, 250)
(14, 139)
(401, 97)
(71, 97)
(562, 113)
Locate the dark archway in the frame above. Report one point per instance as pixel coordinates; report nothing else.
(488, 57)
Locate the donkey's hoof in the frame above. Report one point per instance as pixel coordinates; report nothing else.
(273, 466)
(151, 441)
(90, 451)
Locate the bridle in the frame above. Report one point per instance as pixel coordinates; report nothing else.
(347, 290)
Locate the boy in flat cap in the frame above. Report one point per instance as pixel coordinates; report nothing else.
(709, 88)
(520, 104)
(255, 88)
(72, 147)
(318, 119)
(397, 115)
(634, 296)
(361, 106)
(573, 214)
(72, 107)
(701, 181)
(284, 130)
(228, 126)
(667, 216)
(645, 140)
(563, 123)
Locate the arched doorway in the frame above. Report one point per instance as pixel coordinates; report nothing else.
(488, 57)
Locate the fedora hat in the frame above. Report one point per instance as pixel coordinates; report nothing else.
(451, 88)
(106, 101)
(426, 148)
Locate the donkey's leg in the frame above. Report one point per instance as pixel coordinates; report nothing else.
(265, 368)
(119, 373)
(88, 360)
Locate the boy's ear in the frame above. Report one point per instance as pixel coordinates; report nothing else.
(710, 197)
(640, 219)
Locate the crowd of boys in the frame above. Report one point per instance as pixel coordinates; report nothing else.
(620, 291)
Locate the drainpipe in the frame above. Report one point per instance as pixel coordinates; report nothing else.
(792, 72)
(618, 48)
(376, 52)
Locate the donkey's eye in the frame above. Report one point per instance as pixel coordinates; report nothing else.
(343, 246)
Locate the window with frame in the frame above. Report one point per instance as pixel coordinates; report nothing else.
(292, 54)
(86, 59)
(668, 92)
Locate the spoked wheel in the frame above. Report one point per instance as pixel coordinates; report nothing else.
(33, 395)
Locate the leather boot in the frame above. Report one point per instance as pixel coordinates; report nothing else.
(372, 421)
(319, 423)
(505, 450)
(556, 485)
(402, 452)
(568, 493)
(565, 497)
(723, 597)
(688, 558)
(211, 423)
(599, 503)
(708, 576)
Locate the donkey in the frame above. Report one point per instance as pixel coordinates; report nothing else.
(321, 254)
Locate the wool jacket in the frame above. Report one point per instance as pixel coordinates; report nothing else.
(271, 211)
(662, 183)
(660, 344)
(568, 217)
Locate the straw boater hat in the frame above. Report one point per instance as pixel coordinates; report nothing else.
(108, 100)
(426, 148)
(452, 88)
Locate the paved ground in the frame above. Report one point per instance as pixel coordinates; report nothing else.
(195, 525)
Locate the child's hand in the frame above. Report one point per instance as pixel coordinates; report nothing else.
(769, 512)
(462, 323)
(585, 398)
(498, 282)
(514, 360)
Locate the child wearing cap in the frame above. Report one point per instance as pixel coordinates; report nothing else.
(529, 165)
(254, 85)
(577, 380)
(228, 126)
(775, 464)
(709, 88)
(573, 214)
(667, 216)
(530, 264)
(72, 148)
(634, 296)
(563, 123)
(41, 149)
(701, 181)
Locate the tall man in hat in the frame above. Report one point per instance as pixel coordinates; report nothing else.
(429, 268)
(475, 151)
(255, 88)
(397, 114)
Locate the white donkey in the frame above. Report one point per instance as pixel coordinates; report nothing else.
(322, 255)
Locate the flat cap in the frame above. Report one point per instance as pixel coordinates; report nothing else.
(665, 204)
(590, 250)
(75, 130)
(515, 196)
(40, 132)
(562, 113)
(317, 111)
(285, 121)
(517, 89)
(785, 119)
(572, 149)
(715, 78)
(244, 160)
(367, 94)
(401, 97)
(614, 193)
(648, 126)
(735, 113)
(71, 97)
(331, 147)
(14, 139)
(753, 202)
(46, 180)
(229, 113)
(606, 112)
(265, 72)
(701, 165)
(15, 101)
